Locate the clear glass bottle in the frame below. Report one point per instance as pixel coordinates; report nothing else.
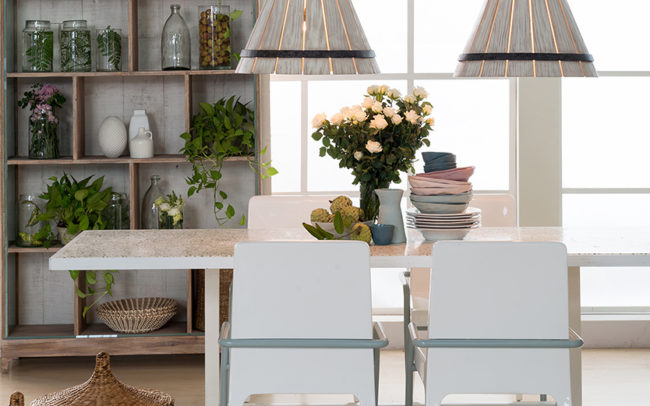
(150, 213)
(75, 46)
(126, 211)
(38, 46)
(109, 50)
(175, 43)
(214, 37)
(28, 225)
(113, 213)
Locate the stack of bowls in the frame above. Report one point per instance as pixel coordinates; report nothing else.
(439, 196)
(438, 161)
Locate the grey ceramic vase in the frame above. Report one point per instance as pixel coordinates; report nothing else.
(390, 212)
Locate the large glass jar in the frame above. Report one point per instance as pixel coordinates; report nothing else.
(150, 212)
(175, 42)
(113, 213)
(43, 134)
(38, 46)
(214, 37)
(75, 46)
(28, 224)
(109, 50)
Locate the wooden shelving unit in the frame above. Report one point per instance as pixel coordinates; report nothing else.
(78, 338)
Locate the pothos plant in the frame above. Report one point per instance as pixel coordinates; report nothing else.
(78, 206)
(220, 131)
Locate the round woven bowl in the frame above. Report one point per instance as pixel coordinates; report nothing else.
(137, 316)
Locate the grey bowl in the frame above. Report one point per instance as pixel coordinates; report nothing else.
(462, 198)
(440, 208)
(439, 167)
(431, 156)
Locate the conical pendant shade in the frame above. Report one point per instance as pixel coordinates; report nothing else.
(310, 37)
(526, 38)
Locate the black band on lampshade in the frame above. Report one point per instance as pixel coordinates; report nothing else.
(525, 56)
(269, 53)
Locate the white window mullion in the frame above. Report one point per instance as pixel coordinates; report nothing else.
(304, 128)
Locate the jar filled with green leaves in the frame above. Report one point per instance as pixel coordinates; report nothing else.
(109, 47)
(214, 37)
(28, 224)
(75, 46)
(38, 46)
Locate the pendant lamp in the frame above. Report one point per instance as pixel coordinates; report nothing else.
(526, 38)
(309, 37)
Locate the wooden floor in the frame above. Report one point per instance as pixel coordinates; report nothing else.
(611, 377)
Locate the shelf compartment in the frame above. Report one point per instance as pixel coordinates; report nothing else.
(100, 160)
(41, 331)
(14, 249)
(170, 329)
(50, 75)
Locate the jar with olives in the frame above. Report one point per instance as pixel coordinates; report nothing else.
(75, 46)
(214, 37)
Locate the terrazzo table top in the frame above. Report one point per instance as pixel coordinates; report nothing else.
(214, 248)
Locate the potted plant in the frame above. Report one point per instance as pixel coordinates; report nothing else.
(75, 206)
(220, 131)
(377, 139)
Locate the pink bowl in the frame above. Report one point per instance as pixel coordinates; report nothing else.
(459, 174)
(447, 190)
(419, 181)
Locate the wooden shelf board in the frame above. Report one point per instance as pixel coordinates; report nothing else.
(44, 331)
(14, 249)
(100, 160)
(120, 74)
(171, 328)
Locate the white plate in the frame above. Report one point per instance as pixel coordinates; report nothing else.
(441, 226)
(425, 227)
(445, 221)
(470, 212)
(436, 235)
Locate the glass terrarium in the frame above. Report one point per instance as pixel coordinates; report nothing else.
(28, 223)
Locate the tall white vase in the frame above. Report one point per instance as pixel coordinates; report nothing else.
(138, 120)
(390, 212)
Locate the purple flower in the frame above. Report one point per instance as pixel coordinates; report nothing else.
(46, 91)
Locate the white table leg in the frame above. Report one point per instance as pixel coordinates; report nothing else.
(576, 324)
(212, 337)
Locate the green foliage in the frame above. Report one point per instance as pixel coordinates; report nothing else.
(221, 131)
(78, 205)
(75, 51)
(320, 234)
(41, 50)
(109, 43)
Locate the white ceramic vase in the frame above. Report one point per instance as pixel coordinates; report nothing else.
(112, 137)
(138, 120)
(390, 212)
(142, 145)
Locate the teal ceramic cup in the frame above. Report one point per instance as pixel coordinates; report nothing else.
(382, 234)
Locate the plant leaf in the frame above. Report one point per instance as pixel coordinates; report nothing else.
(338, 223)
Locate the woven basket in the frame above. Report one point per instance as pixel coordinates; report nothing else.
(104, 389)
(17, 399)
(141, 315)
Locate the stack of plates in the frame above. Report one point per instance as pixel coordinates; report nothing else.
(439, 226)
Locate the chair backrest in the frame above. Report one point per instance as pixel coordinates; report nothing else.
(283, 211)
(499, 290)
(311, 289)
(496, 210)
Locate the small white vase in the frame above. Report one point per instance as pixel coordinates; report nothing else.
(138, 120)
(112, 137)
(142, 145)
(390, 212)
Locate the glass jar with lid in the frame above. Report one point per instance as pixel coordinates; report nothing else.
(75, 46)
(109, 50)
(28, 223)
(38, 46)
(214, 37)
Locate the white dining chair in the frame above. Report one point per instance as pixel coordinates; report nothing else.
(498, 321)
(301, 322)
(284, 211)
(497, 210)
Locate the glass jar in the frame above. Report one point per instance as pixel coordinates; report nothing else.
(28, 224)
(214, 37)
(150, 212)
(75, 47)
(171, 220)
(126, 211)
(38, 46)
(113, 213)
(109, 50)
(43, 134)
(175, 42)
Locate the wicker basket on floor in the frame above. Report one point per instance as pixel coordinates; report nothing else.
(17, 399)
(104, 389)
(137, 316)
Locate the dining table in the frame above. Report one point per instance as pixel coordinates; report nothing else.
(213, 250)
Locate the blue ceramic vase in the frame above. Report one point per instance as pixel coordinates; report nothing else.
(390, 212)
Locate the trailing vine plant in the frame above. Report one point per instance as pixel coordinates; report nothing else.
(109, 43)
(221, 131)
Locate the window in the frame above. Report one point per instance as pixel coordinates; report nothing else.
(605, 144)
(473, 118)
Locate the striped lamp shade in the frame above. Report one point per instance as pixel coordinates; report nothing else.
(526, 38)
(309, 37)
